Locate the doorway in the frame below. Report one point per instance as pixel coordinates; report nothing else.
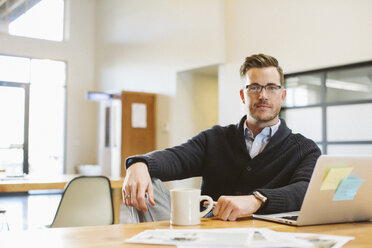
(194, 109)
(196, 102)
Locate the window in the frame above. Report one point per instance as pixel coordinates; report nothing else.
(32, 107)
(303, 90)
(332, 106)
(12, 132)
(41, 19)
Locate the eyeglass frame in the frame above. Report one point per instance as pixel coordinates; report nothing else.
(264, 87)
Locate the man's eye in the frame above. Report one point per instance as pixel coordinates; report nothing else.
(255, 88)
(271, 87)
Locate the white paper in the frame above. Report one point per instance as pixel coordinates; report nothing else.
(139, 115)
(321, 240)
(237, 237)
(209, 237)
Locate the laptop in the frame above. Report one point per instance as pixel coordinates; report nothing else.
(339, 191)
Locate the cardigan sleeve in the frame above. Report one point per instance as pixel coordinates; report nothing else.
(290, 197)
(179, 162)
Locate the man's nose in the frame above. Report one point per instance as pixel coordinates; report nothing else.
(263, 93)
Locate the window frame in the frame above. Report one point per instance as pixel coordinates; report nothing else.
(27, 86)
(324, 104)
(22, 9)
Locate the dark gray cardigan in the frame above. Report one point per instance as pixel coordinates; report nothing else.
(281, 171)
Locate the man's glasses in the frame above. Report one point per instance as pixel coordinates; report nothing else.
(257, 88)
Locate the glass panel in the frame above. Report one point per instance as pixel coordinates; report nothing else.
(298, 121)
(349, 84)
(349, 122)
(46, 142)
(350, 149)
(48, 72)
(303, 90)
(11, 160)
(12, 111)
(14, 69)
(43, 21)
(47, 137)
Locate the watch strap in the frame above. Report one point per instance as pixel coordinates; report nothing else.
(259, 196)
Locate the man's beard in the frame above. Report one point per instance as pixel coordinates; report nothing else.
(255, 113)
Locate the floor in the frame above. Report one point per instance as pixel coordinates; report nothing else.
(35, 210)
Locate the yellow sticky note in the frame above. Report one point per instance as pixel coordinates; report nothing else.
(334, 176)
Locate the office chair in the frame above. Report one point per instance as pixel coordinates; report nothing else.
(86, 201)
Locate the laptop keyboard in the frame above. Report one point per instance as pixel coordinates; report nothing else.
(294, 217)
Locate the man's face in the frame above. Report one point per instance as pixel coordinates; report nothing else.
(263, 107)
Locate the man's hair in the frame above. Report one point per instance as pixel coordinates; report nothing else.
(260, 61)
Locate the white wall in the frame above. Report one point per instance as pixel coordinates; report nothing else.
(302, 35)
(205, 103)
(182, 110)
(142, 45)
(78, 52)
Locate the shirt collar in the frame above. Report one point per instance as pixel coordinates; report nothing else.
(267, 131)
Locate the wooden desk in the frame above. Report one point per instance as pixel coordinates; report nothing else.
(58, 182)
(114, 235)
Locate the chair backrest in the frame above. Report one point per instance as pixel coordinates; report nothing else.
(86, 201)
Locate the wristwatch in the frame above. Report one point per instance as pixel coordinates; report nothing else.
(259, 196)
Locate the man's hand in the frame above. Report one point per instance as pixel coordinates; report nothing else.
(232, 207)
(137, 183)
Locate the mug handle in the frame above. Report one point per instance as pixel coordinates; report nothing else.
(210, 205)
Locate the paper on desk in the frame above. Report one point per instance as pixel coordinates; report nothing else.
(226, 237)
(236, 237)
(189, 237)
(13, 177)
(321, 240)
(334, 176)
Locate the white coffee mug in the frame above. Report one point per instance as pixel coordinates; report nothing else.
(185, 206)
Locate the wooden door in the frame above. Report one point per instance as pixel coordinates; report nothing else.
(138, 124)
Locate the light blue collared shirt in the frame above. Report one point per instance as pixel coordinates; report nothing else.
(256, 145)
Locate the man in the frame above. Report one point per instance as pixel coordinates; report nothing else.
(258, 165)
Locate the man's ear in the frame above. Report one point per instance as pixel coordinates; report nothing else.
(284, 94)
(242, 96)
